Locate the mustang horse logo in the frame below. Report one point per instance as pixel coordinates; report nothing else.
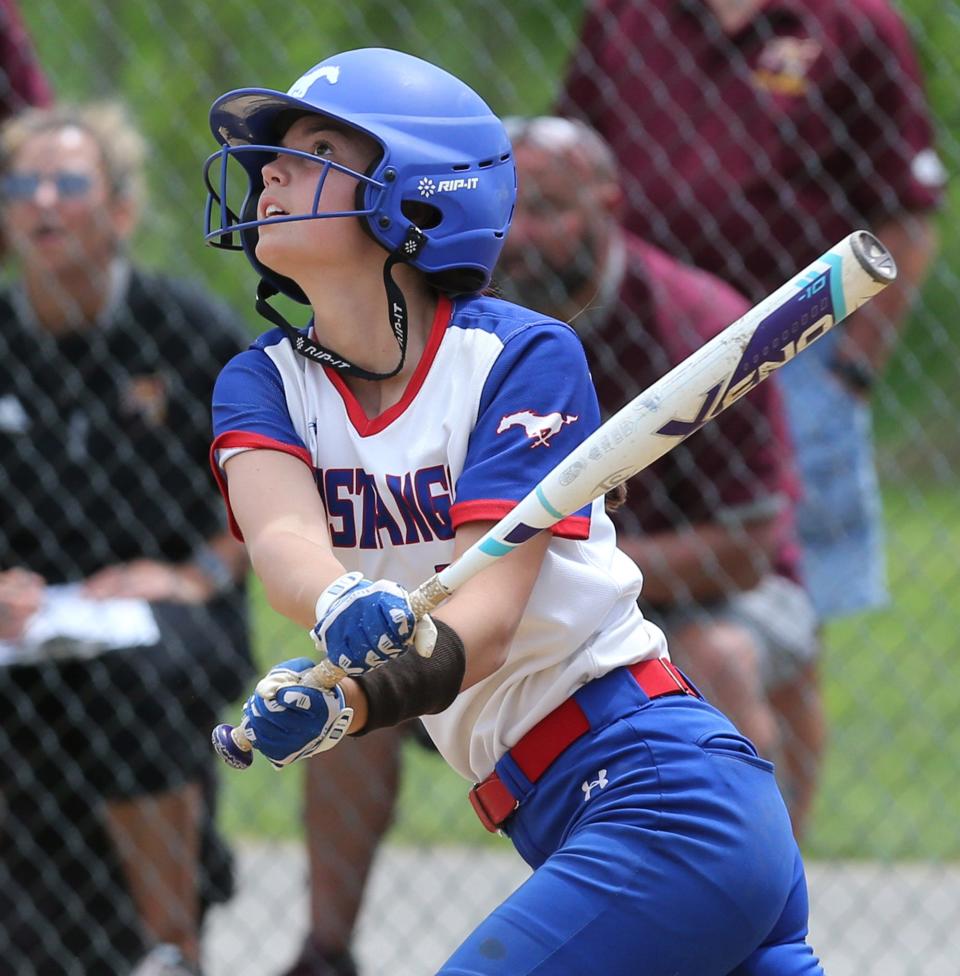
(538, 429)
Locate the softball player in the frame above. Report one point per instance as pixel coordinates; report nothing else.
(373, 446)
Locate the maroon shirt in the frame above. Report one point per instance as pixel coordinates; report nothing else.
(22, 81)
(749, 155)
(741, 460)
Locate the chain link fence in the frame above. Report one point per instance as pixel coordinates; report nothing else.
(884, 840)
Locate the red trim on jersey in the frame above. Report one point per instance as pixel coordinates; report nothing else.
(572, 527)
(242, 438)
(364, 425)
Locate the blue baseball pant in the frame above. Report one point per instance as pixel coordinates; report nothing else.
(660, 846)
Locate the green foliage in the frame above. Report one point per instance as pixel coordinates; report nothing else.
(891, 680)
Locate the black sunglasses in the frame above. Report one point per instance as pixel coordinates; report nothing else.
(24, 186)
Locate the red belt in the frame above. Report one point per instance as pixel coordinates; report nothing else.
(534, 753)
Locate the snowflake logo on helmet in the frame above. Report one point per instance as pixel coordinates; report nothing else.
(427, 187)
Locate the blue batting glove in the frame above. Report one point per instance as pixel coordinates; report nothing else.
(287, 721)
(361, 625)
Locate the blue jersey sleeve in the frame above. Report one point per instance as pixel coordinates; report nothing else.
(249, 402)
(250, 411)
(538, 403)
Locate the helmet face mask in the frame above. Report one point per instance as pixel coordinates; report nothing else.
(445, 161)
(246, 224)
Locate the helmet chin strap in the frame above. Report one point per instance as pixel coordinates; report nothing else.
(411, 246)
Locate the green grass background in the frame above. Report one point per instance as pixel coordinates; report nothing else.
(891, 679)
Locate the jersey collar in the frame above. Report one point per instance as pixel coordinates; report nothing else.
(366, 426)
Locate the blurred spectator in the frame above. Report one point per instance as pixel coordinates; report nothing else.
(122, 612)
(712, 521)
(754, 134)
(22, 82)
(352, 798)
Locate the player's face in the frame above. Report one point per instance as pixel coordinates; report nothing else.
(297, 249)
(555, 240)
(58, 210)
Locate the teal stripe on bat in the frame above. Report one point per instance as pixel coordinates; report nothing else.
(836, 285)
(542, 498)
(492, 547)
(495, 548)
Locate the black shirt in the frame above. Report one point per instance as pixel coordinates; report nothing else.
(104, 433)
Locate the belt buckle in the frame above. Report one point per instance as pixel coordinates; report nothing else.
(483, 814)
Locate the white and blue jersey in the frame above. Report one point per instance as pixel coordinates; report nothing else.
(658, 834)
(500, 396)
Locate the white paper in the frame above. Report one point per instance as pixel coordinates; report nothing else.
(70, 625)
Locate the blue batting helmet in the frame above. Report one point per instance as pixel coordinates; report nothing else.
(445, 165)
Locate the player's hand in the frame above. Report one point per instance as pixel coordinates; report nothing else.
(361, 625)
(287, 721)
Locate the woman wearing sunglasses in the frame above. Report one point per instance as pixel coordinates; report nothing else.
(105, 377)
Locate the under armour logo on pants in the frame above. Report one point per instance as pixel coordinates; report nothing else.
(599, 783)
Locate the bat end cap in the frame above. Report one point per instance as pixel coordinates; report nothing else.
(226, 748)
(873, 256)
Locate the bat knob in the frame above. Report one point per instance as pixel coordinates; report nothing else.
(226, 747)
